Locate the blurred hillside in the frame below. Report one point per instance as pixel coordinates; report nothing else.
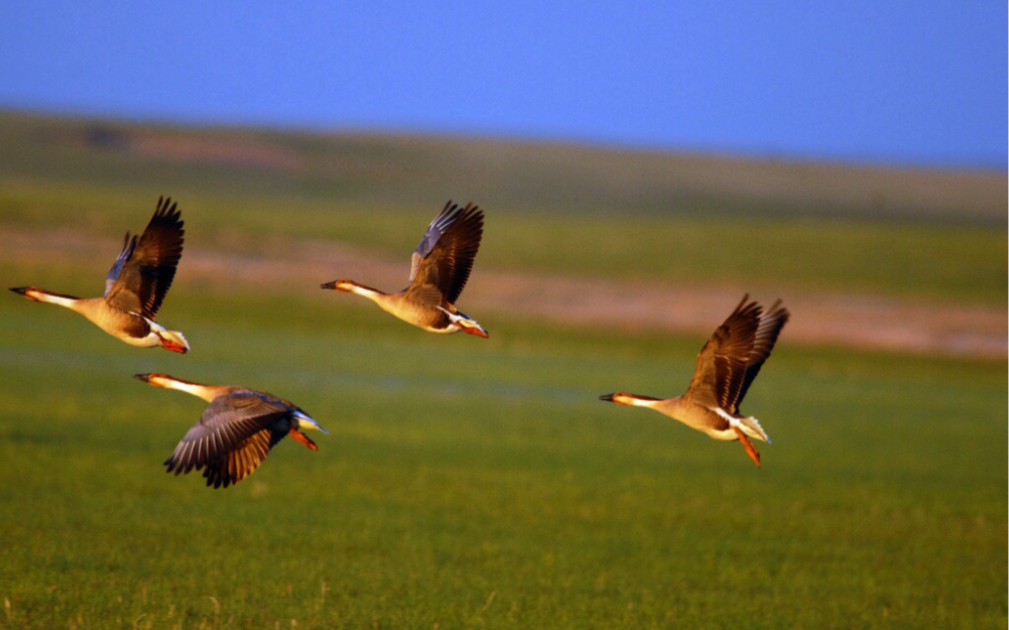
(410, 171)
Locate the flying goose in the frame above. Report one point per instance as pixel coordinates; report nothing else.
(236, 431)
(438, 273)
(136, 285)
(726, 366)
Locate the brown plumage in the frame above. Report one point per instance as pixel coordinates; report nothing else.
(135, 286)
(439, 270)
(726, 367)
(445, 255)
(236, 431)
(145, 268)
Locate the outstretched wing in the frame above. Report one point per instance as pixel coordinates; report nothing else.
(721, 364)
(767, 334)
(240, 462)
(145, 268)
(444, 258)
(129, 243)
(231, 439)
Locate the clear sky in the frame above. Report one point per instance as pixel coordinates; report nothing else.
(915, 82)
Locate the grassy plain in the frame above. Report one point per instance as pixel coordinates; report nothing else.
(481, 484)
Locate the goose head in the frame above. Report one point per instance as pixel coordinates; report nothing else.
(32, 293)
(631, 400)
(340, 285)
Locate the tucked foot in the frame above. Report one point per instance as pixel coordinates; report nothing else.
(304, 439)
(751, 450)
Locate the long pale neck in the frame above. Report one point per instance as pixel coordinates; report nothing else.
(41, 295)
(206, 392)
(631, 400)
(368, 292)
(637, 400)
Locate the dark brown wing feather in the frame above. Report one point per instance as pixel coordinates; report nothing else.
(232, 437)
(144, 270)
(767, 334)
(241, 461)
(721, 364)
(445, 255)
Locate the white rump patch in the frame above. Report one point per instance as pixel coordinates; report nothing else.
(749, 425)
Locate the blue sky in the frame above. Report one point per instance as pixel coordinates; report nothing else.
(900, 82)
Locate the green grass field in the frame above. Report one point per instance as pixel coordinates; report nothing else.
(481, 484)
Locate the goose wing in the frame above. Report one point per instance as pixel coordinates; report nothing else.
(722, 362)
(767, 334)
(232, 438)
(144, 270)
(240, 462)
(444, 258)
(129, 244)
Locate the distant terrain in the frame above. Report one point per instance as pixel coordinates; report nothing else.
(408, 171)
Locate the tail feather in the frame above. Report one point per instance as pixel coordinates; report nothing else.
(755, 430)
(465, 323)
(177, 336)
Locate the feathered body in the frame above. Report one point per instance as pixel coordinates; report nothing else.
(726, 367)
(236, 431)
(135, 286)
(440, 267)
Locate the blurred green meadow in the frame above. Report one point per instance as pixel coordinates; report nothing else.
(482, 484)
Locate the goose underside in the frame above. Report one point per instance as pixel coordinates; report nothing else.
(137, 328)
(133, 329)
(424, 316)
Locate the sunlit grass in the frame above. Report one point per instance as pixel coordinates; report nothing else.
(482, 484)
(472, 483)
